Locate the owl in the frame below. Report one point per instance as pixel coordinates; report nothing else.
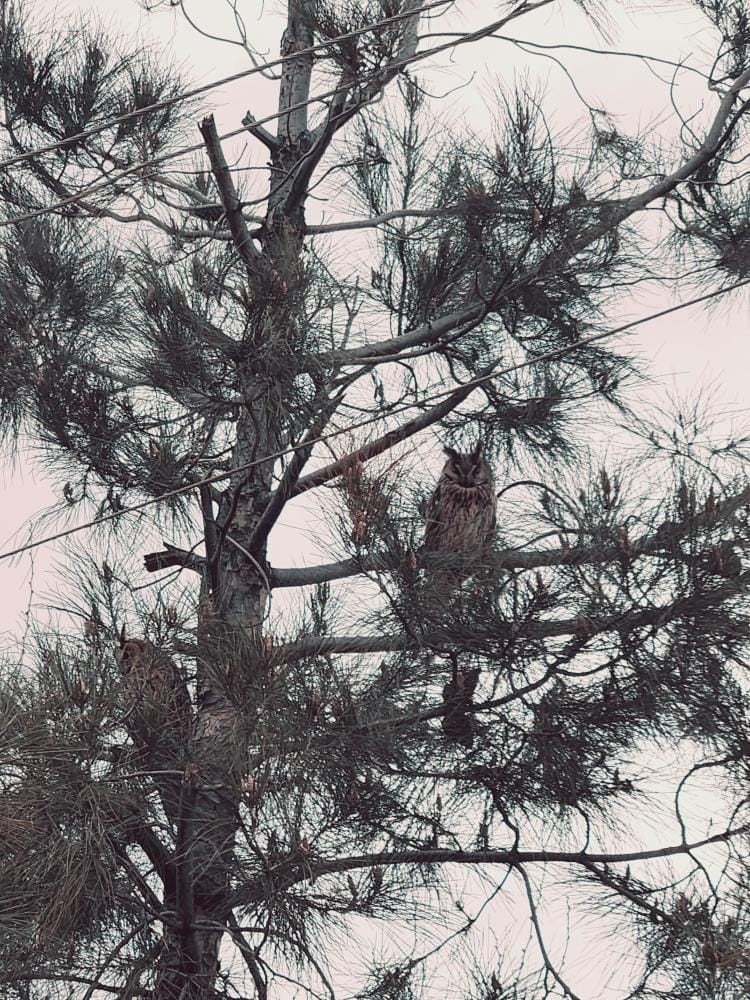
(153, 694)
(458, 695)
(461, 510)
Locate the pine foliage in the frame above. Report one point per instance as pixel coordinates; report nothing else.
(232, 777)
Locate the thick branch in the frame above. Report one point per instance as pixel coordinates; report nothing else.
(228, 194)
(183, 861)
(381, 444)
(505, 559)
(343, 108)
(591, 625)
(211, 535)
(308, 576)
(296, 73)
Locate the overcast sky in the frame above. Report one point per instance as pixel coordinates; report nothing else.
(684, 352)
(688, 351)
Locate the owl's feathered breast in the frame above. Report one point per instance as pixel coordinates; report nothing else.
(152, 690)
(459, 518)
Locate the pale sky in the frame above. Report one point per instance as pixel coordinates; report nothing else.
(693, 349)
(683, 352)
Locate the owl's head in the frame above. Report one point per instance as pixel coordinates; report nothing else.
(133, 653)
(467, 468)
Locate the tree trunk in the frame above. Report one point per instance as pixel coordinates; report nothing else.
(229, 637)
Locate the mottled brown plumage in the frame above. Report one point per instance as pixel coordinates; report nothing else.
(153, 694)
(461, 510)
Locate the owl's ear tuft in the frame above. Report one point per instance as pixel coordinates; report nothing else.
(450, 452)
(476, 452)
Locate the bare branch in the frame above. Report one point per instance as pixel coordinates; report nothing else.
(381, 444)
(593, 625)
(308, 576)
(250, 957)
(379, 220)
(536, 923)
(429, 333)
(290, 478)
(268, 140)
(232, 204)
(515, 858)
(173, 556)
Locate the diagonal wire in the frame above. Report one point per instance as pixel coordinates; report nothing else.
(204, 88)
(472, 36)
(470, 384)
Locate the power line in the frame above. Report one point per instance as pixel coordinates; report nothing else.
(183, 151)
(470, 384)
(196, 91)
(156, 161)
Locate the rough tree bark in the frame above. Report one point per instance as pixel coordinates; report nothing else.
(233, 610)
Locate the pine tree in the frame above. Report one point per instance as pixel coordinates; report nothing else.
(203, 796)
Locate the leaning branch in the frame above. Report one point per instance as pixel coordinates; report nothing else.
(250, 956)
(381, 444)
(263, 135)
(611, 216)
(716, 136)
(429, 333)
(290, 478)
(228, 194)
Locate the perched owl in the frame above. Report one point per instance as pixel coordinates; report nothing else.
(153, 694)
(461, 510)
(458, 695)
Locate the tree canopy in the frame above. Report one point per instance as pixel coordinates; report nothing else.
(223, 777)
